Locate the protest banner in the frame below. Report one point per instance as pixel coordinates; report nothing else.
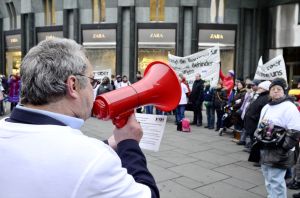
(99, 74)
(260, 61)
(275, 68)
(206, 63)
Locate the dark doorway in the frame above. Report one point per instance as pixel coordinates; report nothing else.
(292, 60)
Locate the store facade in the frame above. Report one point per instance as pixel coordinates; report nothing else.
(221, 35)
(13, 55)
(44, 33)
(100, 44)
(131, 34)
(155, 42)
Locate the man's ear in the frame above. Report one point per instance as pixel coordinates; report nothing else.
(72, 87)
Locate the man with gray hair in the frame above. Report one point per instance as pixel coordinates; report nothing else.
(43, 152)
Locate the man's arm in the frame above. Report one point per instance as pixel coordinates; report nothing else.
(132, 157)
(134, 161)
(221, 75)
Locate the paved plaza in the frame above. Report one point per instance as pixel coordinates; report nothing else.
(200, 164)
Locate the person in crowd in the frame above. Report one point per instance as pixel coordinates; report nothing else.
(251, 88)
(227, 81)
(183, 101)
(112, 81)
(149, 109)
(208, 103)
(118, 82)
(183, 79)
(236, 103)
(253, 110)
(1, 97)
(196, 98)
(282, 114)
(219, 101)
(14, 90)
(40, 143)
(138, 77)
(105, 86)
(125, 82)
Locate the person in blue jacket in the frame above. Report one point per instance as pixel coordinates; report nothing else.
(44, 153)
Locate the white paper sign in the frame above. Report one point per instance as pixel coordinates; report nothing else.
(260, 62)
(99, 74)
(275, 68)
(206, 63)
(153, 127)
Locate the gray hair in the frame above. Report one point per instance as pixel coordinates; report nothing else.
(46, 67)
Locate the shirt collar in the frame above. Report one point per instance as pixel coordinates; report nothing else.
(75, 123)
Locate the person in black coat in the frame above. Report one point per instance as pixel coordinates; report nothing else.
(219, 101)
(105, 86)
(196, 98)
(253, 111)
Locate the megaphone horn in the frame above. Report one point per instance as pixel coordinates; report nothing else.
(159, 86)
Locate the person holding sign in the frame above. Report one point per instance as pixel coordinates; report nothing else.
(197, 97)
(227, 81)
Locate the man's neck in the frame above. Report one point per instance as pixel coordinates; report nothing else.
(60, 107)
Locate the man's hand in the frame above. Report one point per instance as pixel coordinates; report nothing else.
(112, 142)
(132, 130)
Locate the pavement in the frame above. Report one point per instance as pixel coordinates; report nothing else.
(200, 164)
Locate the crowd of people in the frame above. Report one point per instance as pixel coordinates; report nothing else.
(61, 97)
(266, 118)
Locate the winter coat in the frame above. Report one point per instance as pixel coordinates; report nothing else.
(103, 88)
(14, 89)
(253, 112)
(227, 81)
(239, 96)
(196, 96)
(283, 114)
(219, 98)
(208, 96)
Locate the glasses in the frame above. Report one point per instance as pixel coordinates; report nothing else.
(94, 82)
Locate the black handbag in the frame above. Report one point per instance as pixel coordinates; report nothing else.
(270, 138)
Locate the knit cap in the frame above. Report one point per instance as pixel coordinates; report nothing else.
(280, 82)
(264, 85)
(231, 72)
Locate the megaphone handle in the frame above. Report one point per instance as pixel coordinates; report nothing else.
(122, 119)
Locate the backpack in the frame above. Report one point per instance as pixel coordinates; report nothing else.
(185, 125)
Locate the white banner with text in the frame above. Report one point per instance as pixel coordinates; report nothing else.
(206, 63)
(275, 68)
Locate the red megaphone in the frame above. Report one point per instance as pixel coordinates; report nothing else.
(159, 86)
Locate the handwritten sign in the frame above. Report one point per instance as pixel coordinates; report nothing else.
(206, 63)
(275, 68)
